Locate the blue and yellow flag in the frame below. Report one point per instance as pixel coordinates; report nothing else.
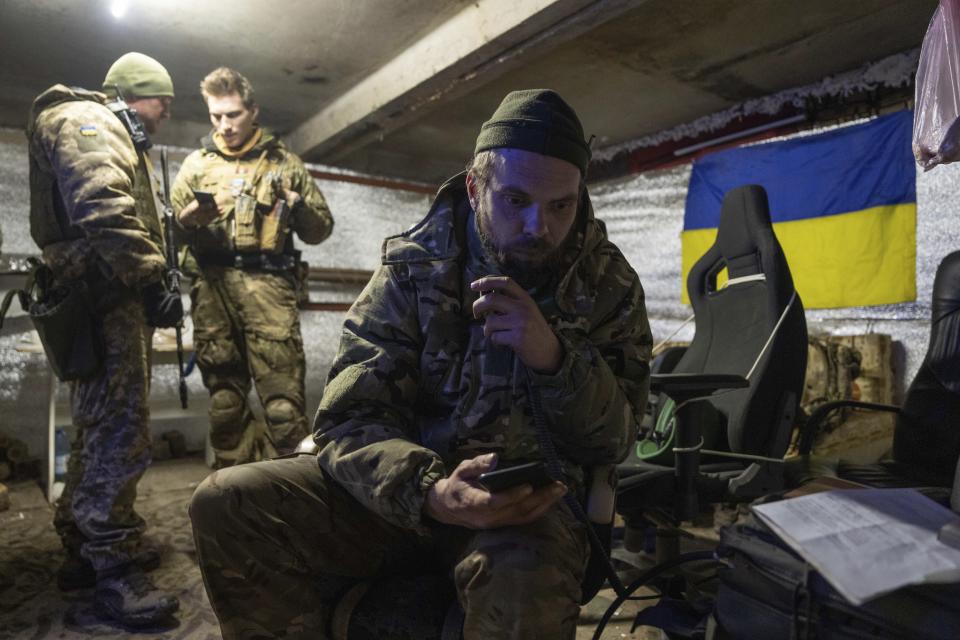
(843, 203)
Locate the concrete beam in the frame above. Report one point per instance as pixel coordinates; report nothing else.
(483, 41)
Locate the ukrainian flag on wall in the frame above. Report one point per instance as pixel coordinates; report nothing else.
(843, 203)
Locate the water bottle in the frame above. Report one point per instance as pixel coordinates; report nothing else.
(61, 449)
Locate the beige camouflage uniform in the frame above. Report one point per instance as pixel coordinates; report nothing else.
(414, 390)
(94, 215)
(246, 322)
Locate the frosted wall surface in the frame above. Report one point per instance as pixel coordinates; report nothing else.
(644, 216)
(14, 194)
(363, 217)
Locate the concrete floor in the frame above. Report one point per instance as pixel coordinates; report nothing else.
(31, 606)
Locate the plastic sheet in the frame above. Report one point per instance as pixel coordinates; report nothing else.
(936, 118)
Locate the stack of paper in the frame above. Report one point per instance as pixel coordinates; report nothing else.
(867, 542)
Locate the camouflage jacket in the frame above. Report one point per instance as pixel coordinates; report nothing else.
(92, 198)
(416, 388)
(207, 169)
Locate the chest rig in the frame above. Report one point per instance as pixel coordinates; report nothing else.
(250, 190)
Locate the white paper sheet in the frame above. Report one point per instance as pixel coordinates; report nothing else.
(867, 542)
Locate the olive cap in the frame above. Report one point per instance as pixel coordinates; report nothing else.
(137, 75)
(536, 120)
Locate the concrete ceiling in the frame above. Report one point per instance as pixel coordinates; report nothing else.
(400, 87)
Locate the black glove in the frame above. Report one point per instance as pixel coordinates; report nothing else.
(163, 308)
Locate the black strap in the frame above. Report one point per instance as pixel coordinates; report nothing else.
(555, 470)
(5, 305)
(39, 279)
(251, 261)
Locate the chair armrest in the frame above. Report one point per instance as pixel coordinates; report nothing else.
(809, 431)
(683, 386)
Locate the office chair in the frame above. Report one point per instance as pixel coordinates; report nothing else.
(926, 437)
(727, 407)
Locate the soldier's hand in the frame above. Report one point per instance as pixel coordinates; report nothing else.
(459, 500)
(292, 197)
(162, 308)
(196, 215)
(512, 319)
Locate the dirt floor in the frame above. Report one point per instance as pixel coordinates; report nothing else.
(32, 607)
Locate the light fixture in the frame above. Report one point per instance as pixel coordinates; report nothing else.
(118, 8)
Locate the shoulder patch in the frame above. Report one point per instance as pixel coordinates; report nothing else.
(88, 130)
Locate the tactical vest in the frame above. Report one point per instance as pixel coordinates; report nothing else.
(245, 190)
(49, 219)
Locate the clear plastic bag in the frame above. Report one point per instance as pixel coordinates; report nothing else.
(936, 116)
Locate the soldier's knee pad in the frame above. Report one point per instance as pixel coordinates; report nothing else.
(226, 407)
(280, 410)
(287, 424)
(228, 418)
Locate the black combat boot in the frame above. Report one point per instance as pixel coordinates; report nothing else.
(125, 594)
(76, 572)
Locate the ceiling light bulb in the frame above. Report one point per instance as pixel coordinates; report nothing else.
(118, 8)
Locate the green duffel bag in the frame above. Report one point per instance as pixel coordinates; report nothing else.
(63, 317)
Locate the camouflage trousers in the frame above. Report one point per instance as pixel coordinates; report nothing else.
(279, 542)
(111, 450)
(247, 329)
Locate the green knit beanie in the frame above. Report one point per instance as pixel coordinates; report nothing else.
(137, 76)
(537, 120)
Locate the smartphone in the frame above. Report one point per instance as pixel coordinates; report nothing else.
(205, 198)
(532, 473)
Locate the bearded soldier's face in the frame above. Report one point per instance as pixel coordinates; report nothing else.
(526, 206)
(234, 121)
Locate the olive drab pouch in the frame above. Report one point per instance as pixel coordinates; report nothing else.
(246, 222)
(272, 234)
(62, 314)
(245, 234)
(276, 223)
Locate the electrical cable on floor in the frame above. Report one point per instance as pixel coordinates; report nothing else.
(554, 469)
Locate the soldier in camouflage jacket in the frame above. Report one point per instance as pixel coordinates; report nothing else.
(94, 214)
(431, 387)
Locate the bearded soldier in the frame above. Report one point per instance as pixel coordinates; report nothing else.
(94, 214)
(506, 292)
(239, 198)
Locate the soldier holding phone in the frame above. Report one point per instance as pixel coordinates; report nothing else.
(507, 290)
(240, 198)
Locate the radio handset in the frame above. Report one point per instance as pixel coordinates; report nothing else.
(131, 122)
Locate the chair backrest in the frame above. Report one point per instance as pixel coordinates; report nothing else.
(926, 438)
(735, 323)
